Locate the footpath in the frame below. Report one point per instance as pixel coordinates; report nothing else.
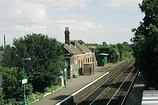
(72, 86)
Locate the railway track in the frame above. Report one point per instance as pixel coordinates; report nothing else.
(115, 88)
(105, 89)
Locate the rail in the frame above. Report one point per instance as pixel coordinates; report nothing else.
(120, 87)
(129, 89)
(80, 90)
(84, 92)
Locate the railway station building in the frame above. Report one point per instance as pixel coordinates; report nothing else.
(77, 56)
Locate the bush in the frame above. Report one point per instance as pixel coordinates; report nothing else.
(12, 86)
(1, 96)
(52, 88)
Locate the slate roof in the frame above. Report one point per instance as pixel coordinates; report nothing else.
(76, 48)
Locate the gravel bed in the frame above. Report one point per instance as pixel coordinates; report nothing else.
(135, 96)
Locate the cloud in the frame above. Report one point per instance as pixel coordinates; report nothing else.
(61, 4)
(30, 13)
(55, 29)
(77, 25)
(36, 10)
(16, 12)
(31, 28)
(21, 17)
(122, 4)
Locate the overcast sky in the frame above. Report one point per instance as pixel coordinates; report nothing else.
(93, 21)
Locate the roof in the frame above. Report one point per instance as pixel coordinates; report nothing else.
(102, 54)
(150, 97)
(1, 57)
(76, 48)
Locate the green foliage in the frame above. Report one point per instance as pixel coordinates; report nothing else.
(12, 86)
(104, 44)
(117, 52)
(52, 88)
(108, 50)
(1, 48)
(38, 95)
(46, 58)
(10, 58)
(1, 96)
(125, 51)
(145, 42)
(11, 80)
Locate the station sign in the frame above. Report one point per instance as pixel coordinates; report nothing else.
(24, 81)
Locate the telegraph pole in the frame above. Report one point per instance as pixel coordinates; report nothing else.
(4, 41)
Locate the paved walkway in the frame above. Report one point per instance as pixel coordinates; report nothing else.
(72, 86)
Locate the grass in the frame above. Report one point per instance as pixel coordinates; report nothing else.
(37, 96)
(52, 88)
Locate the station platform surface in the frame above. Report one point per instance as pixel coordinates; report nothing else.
(72, 86)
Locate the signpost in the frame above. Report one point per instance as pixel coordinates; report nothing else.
(24, 80)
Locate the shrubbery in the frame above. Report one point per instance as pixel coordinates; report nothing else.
(12, 85)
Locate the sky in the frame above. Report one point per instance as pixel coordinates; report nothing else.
(93, 21)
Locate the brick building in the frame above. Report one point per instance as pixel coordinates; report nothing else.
(76, 55)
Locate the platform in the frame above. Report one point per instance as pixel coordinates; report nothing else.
(72, 86)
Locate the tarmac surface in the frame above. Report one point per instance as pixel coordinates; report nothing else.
(72, 86)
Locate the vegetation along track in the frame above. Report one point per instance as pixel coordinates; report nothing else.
(115, 88)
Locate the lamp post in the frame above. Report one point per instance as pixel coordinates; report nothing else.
(24, 81)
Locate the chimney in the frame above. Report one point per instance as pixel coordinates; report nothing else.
(67, 36)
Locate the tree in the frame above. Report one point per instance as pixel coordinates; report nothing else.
(114, 53)
(46, 58)
(10, 57)
(111, 50)
(1, 48)
(121, 51)
(12, 86)
(128, 52)
(104, 44)
(127, 47)
(1, 96)
(125, 51)
(145, 42)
